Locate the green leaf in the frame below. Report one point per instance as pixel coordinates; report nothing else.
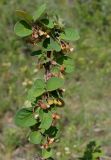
(47, 153)
(24, 117)
(36, 53)
(96, 155)
(54, 83)
(39, 12)
(55, 69)
(69, 65)
(37, 89)
(35, 137)
(46, 119)
(52, 131)
(70, 34)
(67, 62)
(24, 16)
(48, 23)
(22, 29)
(51, 45)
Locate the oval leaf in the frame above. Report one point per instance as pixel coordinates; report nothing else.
(39, 12)
(54, 83)
(24, 16)
(22, 29)
(48, 23)
(35, 137)
(36, 53)
(47, 153)
(70, 35)
(69, 65)
(46, 119)
(67, 62)
(52, 131)
(37, 89)
(24, 117)
(55, 70)
(51, 45)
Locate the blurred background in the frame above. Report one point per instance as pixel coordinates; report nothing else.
(87, 114)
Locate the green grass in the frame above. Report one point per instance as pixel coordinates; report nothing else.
(86, 115)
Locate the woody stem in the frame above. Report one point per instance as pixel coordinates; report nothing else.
(47, 67)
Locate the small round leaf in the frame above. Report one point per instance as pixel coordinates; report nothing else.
(39, 12)
(37, 89)
(35, 137)
(54, 83)
(47, 153)
(50, 44)
(46, 119)
(36, 53)
(67, 62)
(70, 34)
(22, 29)
(48, 23)
(24, 117)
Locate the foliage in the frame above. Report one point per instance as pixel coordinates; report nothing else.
(87, 100)
(46, 94)
(92, 152)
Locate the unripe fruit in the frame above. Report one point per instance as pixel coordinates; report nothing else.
(50, 101)
(55, 102)
(60, 103)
